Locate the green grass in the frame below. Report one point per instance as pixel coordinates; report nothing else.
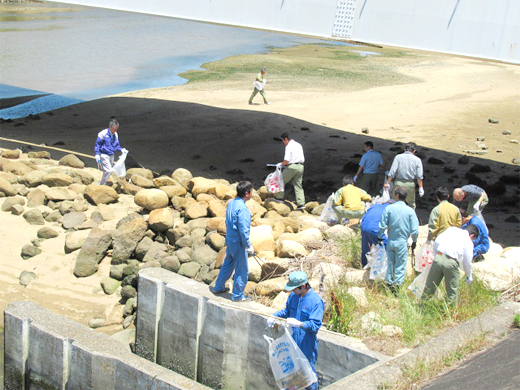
(516, 321)
(350, 250)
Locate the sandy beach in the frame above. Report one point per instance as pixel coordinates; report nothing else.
(443, 103)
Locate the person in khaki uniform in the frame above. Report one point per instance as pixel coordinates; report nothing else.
(293, 168)
(444, 215)
(259, 85)
(348, 200)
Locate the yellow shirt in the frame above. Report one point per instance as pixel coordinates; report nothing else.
(443, 216)
(351, 198)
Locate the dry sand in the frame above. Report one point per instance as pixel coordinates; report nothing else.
(208, 128)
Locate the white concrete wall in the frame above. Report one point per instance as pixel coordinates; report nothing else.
(479, 28)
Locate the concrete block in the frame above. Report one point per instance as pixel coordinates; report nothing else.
(15, 351)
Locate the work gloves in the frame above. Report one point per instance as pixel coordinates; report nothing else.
(124, 151)
(294, 322)
(355, 178)
(250, 250)
(421, 192)
(476, 207)
(98, 158)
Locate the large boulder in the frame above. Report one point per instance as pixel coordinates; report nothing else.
(271, 287)
(73, 219)
(216, 208)
(162, 181)
(92, 252)
(143, 172)
(29, 251)
(161, 220)
(174, 190)
(204, 255)
(34, 217)
(201, 185)
(47, 232)
(17, 167)
(182, 176)
(499, 273)
(98, 194)
(272, 268)
(190, 270)
(256, 209)
(197, 210)
(57, 180)
(11, 153)
(216, 241)
(7, 188)
(141, 181)
(42, 154)
(71, 160)
(75, 240)
(80, 176)
(129, 231)
(32, 179)
(262, 238)
(11, 201)
(151, 199)
(289, 248)
(255, 270)
(59, 194)
(281, 208)
(339, 232)
(10, 177)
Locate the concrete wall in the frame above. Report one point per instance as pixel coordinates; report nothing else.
(182, 326)
(479, 28)
(44, 350)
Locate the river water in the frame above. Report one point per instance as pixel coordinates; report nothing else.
(77, 54)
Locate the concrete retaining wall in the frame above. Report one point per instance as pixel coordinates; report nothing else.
(479, 28)
(182, 326)
(44, 350)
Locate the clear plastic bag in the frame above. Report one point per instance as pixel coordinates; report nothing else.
(418, 284)
(274, 181)
(119, 167)
(328, 215)
(291, 369)
(424, 256)
(377, 260)
(379, 199)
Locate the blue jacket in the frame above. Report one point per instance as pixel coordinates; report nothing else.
(481, 243)
(370, 221)
(308, 310)
(401, 221)
(238, 223)
(107, 143)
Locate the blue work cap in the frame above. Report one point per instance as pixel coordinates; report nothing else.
(296, 279)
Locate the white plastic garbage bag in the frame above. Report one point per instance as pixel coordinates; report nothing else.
(274, 181)
(291, 369)
(328, 215)
(377, 260)
(379, 199)
(418, 284)
(424, 256)
(119, 167)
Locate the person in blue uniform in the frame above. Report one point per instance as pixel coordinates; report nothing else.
(238, 245)
(304, 313)
(370, 228)
(481, 242)
(402, 223)
(107, 143)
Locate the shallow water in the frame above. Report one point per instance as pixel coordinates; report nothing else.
(79, 53)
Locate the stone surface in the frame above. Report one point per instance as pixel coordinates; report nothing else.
(71, 160)
(29, 251)
(151, 199)
(289, 248)
(110, 285)
(47, 232)
(190, 269)
(26, 277)
(7, 188)
(57, 180)
(129, 231)
(73, 219)
(11, 201)
(92, 252)
(75, 240)
(204, 255)
(60, 193)
(271, 287)
(161, 220)
(262, 238)
(34, 217)
(98, 194)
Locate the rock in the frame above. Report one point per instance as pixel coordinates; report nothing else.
(32, 179)
(128, 321)
(477, 152)
(157, 252)
(289, 248)
(143, 172)
(516, 161)
(171, 263)
(357, 276)
(162, 181)
(17, 168)
(11, 178)
(371, 322)
(161, 220)
(71, 160)
(359, 295)
(29, 251)
(73, 219)
(435, 161)
(273, 268)
(129, 231)
(280, 301)
(11, 153)
(75, 240)
(128, 292)
(102, 213)
(498, 273)
(184, 254)
(271, 287)
(109, 285)
(506, 132)
(26, 277)
(78, 188)
(7, 188)
(34, 217)
(182, 176)
(11, 201)
(92, 252)
(204, 255)
(391, 331)
(216, 241)
(141, 181)
(59, 194)
(190, 269)
(262, 238)
(55, 216)
(480, 168)
(197, 210)
(17, 209)
(365, 130)
(308, 236)
(281, 208)
(151, 199)
(98, 194)
(339, 232)
(201, 185)
(143, 247)
(481, 139)
(47, 232)
(57, 180)
(80, 177)
(255, 270)
(174, 190)
(39, 155)
(493, 120)
(464, 160)
(129, 307)
(216, 208)
(95, 323)
(129, 188)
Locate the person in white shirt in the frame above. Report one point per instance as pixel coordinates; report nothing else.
(292, 165)
(453, 248)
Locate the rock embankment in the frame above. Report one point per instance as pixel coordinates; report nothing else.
(177, 222)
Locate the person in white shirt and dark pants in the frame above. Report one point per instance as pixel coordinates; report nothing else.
(292, 164)
(453, 248)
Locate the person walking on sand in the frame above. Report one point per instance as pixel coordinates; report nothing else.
(238, 245)
(292, 165)
(107, 143)
(304, 312)
(402, 223)
(259, 85)
(369, 166)
(405, 169)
